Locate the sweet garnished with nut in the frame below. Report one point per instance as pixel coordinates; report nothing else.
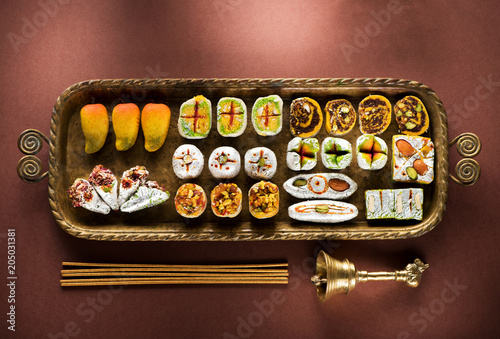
(321, 185)
(263, 200)
(405, 148)
(306, 117)
(411, 116)
(413, 159)
(374, 114)
(226, 200)
(340, 117)
(190, 200)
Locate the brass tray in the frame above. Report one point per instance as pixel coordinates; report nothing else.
(68, 161)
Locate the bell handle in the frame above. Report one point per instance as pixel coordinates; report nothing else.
(411, 275)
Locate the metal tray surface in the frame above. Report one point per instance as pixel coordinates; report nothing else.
(68, 160)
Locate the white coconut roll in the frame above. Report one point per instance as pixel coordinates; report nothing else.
(321, 186)
(322, 211)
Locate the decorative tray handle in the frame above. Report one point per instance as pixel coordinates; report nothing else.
(468, 169)
(29, 168)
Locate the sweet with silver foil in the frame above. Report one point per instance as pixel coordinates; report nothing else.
(323, 211)
(320, 186)
(224, 162)
(106, 185)
(302, 154)
(148, 195)
(187, 161)
(82, 194)
(412, 159)
(336, 153)
(371, 152)
(260, 163)
(130, 182)
(401, 204)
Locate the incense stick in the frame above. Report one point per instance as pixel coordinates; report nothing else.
(100, 274)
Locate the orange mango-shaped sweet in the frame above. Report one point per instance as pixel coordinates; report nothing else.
(155, 120)
(126, 119)
(95, 126)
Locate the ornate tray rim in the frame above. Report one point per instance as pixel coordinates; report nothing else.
(441, 175)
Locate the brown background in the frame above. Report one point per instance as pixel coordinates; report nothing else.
(451, 46)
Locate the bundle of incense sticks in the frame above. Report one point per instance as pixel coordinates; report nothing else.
(99, 274)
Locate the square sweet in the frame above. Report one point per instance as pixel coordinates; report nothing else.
(401, 204)
(412, 159)
(380, 204)
(417, 203)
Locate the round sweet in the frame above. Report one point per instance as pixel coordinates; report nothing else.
(267, 115)
(318, 184)
(340, 117)
(260, 163)
(231, 117)
(374, 114)
(226, 200)
(411, 116)
(195, 118)
(264, 200)
(302, 154)
(187, 161)
(336, 153)
(372, 152)
(190, 200)
(306, 117)
(224, 162)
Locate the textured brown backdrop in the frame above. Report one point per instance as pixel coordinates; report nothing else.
(451, 46)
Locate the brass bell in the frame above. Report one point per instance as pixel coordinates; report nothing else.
(335, 277)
